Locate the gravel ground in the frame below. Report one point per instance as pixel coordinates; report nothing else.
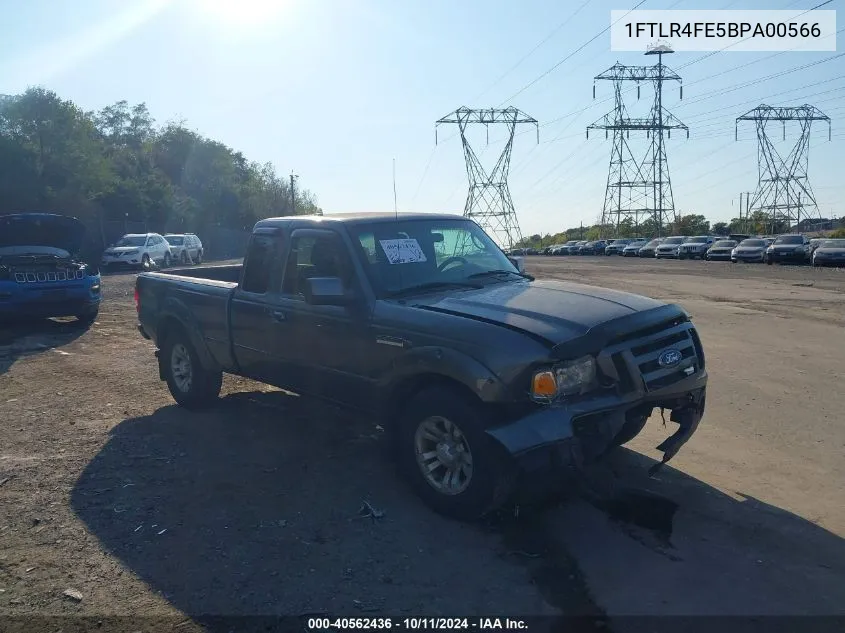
(252, 508)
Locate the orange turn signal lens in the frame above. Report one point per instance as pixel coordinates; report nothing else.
(544, 385)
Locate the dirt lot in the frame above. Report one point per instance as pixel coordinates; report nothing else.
(252, 508)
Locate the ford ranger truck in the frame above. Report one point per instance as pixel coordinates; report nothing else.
(482, 375)
(41, 273)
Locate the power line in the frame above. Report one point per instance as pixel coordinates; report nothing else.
(721, 50)
(572, 54)
(720, 92)
(534, 50)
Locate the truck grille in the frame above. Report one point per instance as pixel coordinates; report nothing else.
(634, 357)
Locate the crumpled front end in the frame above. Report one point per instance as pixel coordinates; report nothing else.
(655, 366)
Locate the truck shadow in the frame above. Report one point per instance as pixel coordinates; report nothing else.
(254, 508)
(20, 339)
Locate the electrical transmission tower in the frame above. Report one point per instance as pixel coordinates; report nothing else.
(783, 191)
(639, 188)
(489, 200)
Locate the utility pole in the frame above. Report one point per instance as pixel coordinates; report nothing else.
(293, 178)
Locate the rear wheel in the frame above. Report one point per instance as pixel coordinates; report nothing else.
(191, 385)
(447, 457)
(184, 258)
(199, 257)
(167, 260)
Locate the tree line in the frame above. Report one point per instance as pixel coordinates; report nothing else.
(116, 165)
(756, 223)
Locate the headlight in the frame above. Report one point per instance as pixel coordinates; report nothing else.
(569, 378)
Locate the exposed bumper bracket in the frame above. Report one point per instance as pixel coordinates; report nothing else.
(688, 419)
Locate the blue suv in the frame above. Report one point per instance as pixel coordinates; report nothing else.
(41, 274)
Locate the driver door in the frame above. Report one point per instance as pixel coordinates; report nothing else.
(325, 343)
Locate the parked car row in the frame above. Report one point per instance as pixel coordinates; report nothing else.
(790, 248)
(151, 250)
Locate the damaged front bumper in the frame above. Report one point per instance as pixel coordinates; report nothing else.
(569, 435)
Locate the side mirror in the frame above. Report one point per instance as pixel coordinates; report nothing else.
(518, 262)
(327, 291)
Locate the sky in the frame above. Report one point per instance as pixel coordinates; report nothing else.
(337, 90)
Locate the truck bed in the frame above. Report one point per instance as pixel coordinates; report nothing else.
(204, 293)
(228, 272)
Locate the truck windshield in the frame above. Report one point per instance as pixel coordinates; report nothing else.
(406, 254)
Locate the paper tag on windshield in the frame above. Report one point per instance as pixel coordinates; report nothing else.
(404, 251)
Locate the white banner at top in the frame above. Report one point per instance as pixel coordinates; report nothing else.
(729, 31)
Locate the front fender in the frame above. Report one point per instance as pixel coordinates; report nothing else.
(448, 363)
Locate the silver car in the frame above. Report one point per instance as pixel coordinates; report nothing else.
(830, 253)
(185, 248)
(670, 247)
(750, 250)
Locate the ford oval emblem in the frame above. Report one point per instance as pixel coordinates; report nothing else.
(669, 358)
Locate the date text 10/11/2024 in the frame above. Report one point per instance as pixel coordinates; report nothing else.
(381, 623)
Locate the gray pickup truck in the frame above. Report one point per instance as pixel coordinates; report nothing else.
(481, 375)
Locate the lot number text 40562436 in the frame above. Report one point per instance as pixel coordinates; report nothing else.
(421, 623)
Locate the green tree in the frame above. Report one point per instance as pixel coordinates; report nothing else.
(117, 165)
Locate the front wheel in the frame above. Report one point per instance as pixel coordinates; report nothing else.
(86, 319)
(191, 385)
(448, 459)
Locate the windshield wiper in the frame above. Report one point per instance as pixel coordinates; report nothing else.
(496, 273)
(434, 285)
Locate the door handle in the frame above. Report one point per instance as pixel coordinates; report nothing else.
(278, 315)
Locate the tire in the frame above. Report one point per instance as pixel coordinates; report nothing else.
(86, 319)
(769, 261)
(199, 257)
(178, 358)
(184, 258)
(145, 262)
(167, 260)
(489, 480)
(630, 430)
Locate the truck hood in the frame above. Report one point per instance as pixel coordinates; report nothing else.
(40, 231)
(555, 311)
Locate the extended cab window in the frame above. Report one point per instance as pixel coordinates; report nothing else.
(316, 256)
(259, 260)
